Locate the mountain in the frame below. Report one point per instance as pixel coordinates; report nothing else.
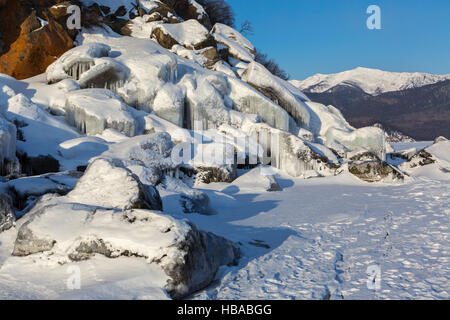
(418, 105)
(371, 81)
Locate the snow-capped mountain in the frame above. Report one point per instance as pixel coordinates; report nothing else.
(371, 81)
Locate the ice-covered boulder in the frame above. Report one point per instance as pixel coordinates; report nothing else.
(169, 104)
(248, 100)
(7, 215)
(71, 232)
(190, 34)
(104, 73)
(281, 92)
(238, 46)
(94, 110)
(293, 155)
(106, 183)
(73, 63)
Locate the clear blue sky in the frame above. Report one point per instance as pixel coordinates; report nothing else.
(326, 36)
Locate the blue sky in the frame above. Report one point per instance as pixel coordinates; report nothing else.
(327, 36)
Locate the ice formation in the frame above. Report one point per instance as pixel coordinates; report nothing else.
(94, 110)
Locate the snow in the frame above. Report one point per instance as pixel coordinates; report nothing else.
(289, 97)
(313, 238)
(371, 81)
(128, 4)
(237, 44)
(189, 33)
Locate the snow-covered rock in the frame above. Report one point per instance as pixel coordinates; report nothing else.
(375, 171)
(73, 232)
(238, 46)
(437, 154)
(73, 63)
(106, 183)
(190, 34)
(191, 200)
(282, 92)
(94, 110)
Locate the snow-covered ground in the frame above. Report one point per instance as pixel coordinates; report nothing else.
(313, 240)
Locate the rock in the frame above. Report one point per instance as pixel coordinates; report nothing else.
(363, 155)
(33, 166)
(273, 184)
(191, 200)
(71, 232)
(94, 110)
(238, 46)
(36, 47)
(28, 243)
(7, 215)
(279, 91)
(440, 139)
(190, 34)
(375, 171)
(202, 253)
(27, 189)
(419, 159)
(106, 183)
(210, 174)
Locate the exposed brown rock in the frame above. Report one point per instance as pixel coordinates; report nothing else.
(35, 48)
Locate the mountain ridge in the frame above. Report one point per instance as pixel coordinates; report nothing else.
(371, 81)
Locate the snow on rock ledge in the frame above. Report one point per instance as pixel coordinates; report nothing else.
(190, 34)
(94, 110)
(238, 46)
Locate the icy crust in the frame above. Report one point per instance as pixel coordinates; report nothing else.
(239, 47)
(94, 110)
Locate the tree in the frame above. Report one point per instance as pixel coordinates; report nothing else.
(218, 11)
(271, 65)
(246, 28)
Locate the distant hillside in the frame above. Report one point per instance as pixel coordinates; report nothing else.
(422, 113)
